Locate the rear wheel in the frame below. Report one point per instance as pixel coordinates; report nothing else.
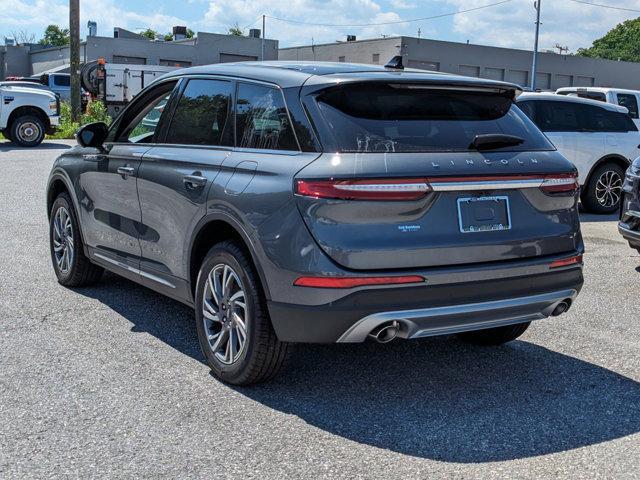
(234, 328)
(494, 336)
(27, 131)
(70, 264)
(604, 191)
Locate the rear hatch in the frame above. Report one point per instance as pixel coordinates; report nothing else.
(426, 176)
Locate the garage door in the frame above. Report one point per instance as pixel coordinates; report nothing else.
(494, 73)
(469, 70)
(424, 65)
(519, 77)
(563, 81)
(230, 57)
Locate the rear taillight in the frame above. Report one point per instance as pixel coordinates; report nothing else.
(370, 189)
(351, 282)
(566, 261)
(567, 182)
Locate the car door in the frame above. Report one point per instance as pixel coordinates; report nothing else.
(109, 206)
(176, 175)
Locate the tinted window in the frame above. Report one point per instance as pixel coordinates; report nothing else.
(62, 80)
(262, 120)
(630, 101)
(380, 117)
(601, 120)
(555, 116)
(528, 108)
(202, 114)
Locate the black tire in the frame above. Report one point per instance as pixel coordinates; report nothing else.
(80, 272)
(27, 131)
(263, 354)
(494, 336)
(589, 197)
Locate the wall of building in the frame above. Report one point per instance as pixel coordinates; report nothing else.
(554, 71)
(205, 49)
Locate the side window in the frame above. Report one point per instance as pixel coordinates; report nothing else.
(602, 120)
(139, 122)
(528, 108)
(554, 116)
(202, 114)
(262, 120)
(62, 80)
(630, 101)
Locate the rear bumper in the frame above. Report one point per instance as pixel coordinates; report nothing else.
(429, 309)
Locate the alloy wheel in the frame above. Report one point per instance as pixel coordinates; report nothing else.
(609, 188)
(63, 241)
(224, 313)
(28, 132)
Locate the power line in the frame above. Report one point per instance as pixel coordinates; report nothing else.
(623, 9)
(389, 23)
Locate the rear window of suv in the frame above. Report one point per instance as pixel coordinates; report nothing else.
(387, 117)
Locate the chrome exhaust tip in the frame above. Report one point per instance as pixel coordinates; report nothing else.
(386, 332)
(561, 308)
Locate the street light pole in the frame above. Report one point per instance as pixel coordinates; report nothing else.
(263, 37)
(74, 60)
(535, 47)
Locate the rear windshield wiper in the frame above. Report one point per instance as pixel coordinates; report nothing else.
(489, 141)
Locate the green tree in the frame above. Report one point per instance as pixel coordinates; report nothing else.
(190, 33)
(620, 43)
(168, 37)
(150, 34)
(236, 30)
(55, 36)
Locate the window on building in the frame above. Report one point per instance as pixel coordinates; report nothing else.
(262, 120)
(630, 101)
(375, 58)
(202, 114)
(130, 60)
(341, 59)
(175, 63)
(469, 70)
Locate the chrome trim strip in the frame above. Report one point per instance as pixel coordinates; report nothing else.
(632, 213)
(460, 318)
(627, 233)
(142, 273)
(486, 185)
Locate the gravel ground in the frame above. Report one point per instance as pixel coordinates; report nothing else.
(109, 381)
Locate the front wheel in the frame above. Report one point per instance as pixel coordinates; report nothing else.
(494, 336)
(603, 193)
(233, 324)
(27, 131)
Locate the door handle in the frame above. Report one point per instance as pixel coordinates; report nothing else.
(194, 181)
(126, 171)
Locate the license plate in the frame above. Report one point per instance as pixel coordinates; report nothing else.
(483, 214)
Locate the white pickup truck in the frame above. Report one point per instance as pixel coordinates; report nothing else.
(27, 113)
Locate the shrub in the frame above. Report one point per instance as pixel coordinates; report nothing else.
(95, 112)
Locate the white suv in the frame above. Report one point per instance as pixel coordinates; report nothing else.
(617, 96)
(599, 138)
(27, 113)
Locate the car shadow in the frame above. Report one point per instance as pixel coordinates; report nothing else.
(7, 146)
(434, 398)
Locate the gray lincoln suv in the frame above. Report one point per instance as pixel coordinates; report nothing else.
(320, 202)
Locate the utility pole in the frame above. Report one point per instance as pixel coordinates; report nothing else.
(263, 37)
(535, 47)
(74, 47)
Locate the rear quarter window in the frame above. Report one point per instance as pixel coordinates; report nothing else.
(386, 117)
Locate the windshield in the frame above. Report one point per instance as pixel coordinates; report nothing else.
(386, 117)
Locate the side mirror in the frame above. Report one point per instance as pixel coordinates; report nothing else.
(92, 135)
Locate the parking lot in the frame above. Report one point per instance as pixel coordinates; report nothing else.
(109, 381)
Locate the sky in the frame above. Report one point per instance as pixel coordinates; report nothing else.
(509, 24)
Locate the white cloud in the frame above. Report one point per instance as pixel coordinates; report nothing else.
(512, 24)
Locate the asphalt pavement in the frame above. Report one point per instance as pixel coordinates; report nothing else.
(109, 381)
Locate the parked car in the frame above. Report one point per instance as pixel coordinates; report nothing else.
(22, 83)
(599, 138)
(617, 96)
(629, 225)
(323, 202)
(27, 113)
(58, 83)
